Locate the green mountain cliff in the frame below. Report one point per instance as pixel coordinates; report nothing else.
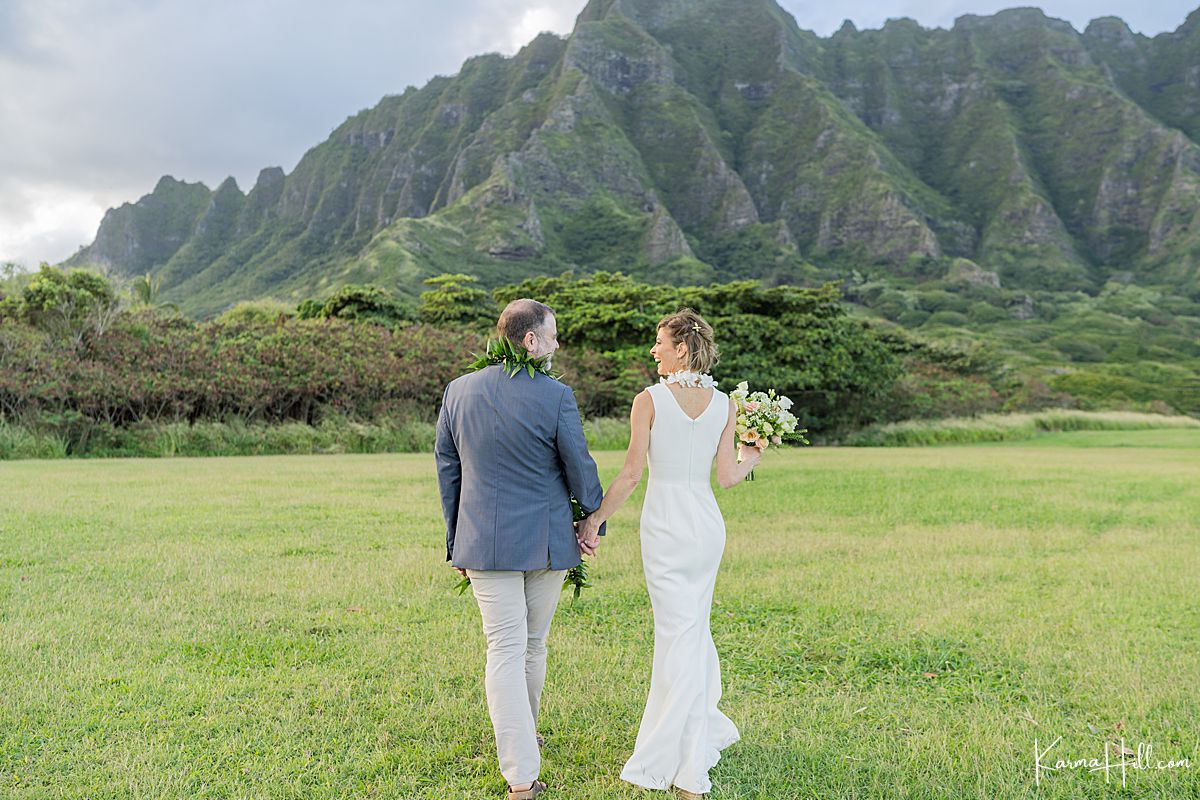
(692, 140)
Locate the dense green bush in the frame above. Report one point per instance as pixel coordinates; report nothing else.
(79, 375)
(928, 392)
(1078, 348)
(153, 368)
(365, 303)
(68, 304)
(998, 428)
(457, 300)
(1106, 387)
(948, 318)
(798, 341)
(913, 319)
(257, 312)
(935, 301)
(892, 304)
(982, 313)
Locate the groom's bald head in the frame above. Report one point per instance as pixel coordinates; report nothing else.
(522, 316)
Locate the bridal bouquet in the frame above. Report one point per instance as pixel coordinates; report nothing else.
(763, 419)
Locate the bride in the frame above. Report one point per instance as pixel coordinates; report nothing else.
(680, 426)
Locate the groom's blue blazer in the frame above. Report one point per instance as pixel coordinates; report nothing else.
(509, 450)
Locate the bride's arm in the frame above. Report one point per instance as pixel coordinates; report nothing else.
(729, 472)
(641, 417)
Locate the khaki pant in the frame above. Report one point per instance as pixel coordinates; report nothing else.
(516, 608)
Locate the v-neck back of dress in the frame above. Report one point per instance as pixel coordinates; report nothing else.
(681, 448)
(675, 399)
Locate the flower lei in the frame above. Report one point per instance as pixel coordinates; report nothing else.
(513, 359)
(686, 377)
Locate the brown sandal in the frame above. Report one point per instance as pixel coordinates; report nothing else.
(527, 794)
(684, 794)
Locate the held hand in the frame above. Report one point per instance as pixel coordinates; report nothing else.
(750, 454)
(461, 571)
(587, 533)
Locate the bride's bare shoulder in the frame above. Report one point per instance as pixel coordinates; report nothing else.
(643, 405)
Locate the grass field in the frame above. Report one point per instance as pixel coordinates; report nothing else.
(891, 623)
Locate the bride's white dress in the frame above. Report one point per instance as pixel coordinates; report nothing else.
(683, 536)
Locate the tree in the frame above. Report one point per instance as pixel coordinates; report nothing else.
(69, 304)
(309, 309)
(145, 291)
(456, 299)
(364, 303)
(257, 313)
(798, 341)
(11, 277)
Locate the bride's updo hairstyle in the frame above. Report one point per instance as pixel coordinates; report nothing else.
(690, 328)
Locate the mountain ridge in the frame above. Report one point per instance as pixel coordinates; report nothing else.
(695, 140)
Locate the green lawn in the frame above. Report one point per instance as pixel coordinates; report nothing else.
(898, 622)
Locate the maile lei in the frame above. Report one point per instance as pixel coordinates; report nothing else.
(513, 359)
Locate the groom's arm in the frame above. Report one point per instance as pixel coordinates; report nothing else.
(449, 472)
(578, 467)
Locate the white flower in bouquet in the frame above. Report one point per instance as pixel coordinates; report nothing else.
(764, 418)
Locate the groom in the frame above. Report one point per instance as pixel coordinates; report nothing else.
(509, 450)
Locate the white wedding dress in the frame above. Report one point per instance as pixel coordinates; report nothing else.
(683, 536)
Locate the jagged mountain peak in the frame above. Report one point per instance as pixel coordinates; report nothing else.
(1188, 27)
(656, 14)
(1016, 19)
(1112, 29)
(228, 186)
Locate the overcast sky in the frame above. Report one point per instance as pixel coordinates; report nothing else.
(99, 98)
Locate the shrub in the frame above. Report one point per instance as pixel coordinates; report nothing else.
(913, 319)
(257, 312)
(952, 319)
(982, 313)
(1094, 390)
(927, 391)
(996, 427)
(800, 341)
(363, 303)
(1079, 348)
(68, 304)
(456, 299)
(152, 368)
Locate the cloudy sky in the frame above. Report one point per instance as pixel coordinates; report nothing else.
(99, 98)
